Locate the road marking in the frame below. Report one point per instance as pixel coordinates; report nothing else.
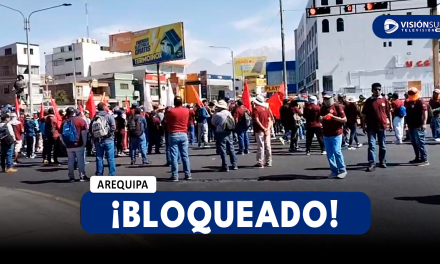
(134, 237)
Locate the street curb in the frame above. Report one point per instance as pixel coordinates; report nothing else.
(133, 237)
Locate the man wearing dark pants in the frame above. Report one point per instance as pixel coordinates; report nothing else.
(375, 112)
(313, 125)
(242, 128)
(417, 115)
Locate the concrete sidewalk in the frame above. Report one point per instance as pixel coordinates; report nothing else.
(31, 220)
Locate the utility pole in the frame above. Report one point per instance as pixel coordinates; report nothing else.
(87, 17)
(283, 49)
(158, 81)
(75, 92)
(435, 51)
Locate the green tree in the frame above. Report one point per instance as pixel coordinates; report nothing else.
(61, 97)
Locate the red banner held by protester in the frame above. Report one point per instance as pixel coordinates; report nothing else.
(42, 110)
(90, 106)
(275, 103)
(246, 97)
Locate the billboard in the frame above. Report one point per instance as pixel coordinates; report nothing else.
(250, 66)
(120, 42)
(158, 45)
(204, 84)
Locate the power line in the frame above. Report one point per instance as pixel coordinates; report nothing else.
(264, 32)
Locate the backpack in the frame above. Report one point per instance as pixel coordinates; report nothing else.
(100, 127)
(401, 112)
(229, 123)
(135, 126)
(69, 133)
(247, 118)
(5, 137)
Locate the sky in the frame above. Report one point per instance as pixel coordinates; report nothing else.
(237, 24)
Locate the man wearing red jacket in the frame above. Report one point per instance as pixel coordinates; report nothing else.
(52, 128)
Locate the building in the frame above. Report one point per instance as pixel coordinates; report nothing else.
(13, 62)
(145, 76)
(342, 54)
(76, 57)
(274, 73)
(210, 87)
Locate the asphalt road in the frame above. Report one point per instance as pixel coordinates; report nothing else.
(405, 198)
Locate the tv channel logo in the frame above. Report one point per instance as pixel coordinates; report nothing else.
(390, 26)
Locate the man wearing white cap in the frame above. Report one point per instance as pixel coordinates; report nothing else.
(223, 134)
(261, 123)
(434, 103)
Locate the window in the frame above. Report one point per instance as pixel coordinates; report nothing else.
(339, 2)
(8, 51)
(6, 89)
(408, 13)
(60, 77)
(340, 25)
(6, 71)
(69, 74)
(409, 42)
(78, 58)
(58, 62)
(32, 51)
(154, 91)
(78, 73)
(68, 60)
(62, 49)
(70, 48)
(324, 2)
(35, 70)
(24, 50)
(384, 44)
(325, 26)
(22, 69)
(123, 86)
(390, 44)
(327, 83)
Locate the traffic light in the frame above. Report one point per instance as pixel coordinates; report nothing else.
(319, 11)
(348, 8)
(376, 6)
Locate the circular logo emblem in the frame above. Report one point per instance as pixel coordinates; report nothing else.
(383, 104)
(390, 26)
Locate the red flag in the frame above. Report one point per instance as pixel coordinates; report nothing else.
(275, 103)
(17, 106)
(199, 102)
(246, 97)
(42, 111)
(282, 91)
(90, 105)
(127, 105)
(57, 113)
(81, 109)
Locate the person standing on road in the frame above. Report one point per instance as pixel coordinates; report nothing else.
(18, 128)
(398, 112)
(285, 120)
(241, 116)
(352, 113)
(74, 137)
(52, 133)
(295, 124)
(177, 124)
(202, 117)
(434, 103)
(137, 132)
(332, 117)
(223, 134)
(30, 129)
(313, 125)
(260, 121)
(375, 113)
(417, 115)
(191, 122)
(7, 141)
(102, 128)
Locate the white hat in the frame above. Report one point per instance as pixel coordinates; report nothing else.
(260, 100)
(222, 104)
(437, 91)
(351, 99)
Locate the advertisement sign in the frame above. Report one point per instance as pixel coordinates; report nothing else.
(204, 84)
(250, 66)
(120, 42)
(271, 88)
(158, 45)
(400, 87)
(416, 84)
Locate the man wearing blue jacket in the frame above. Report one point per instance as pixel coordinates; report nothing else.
(202, 125)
